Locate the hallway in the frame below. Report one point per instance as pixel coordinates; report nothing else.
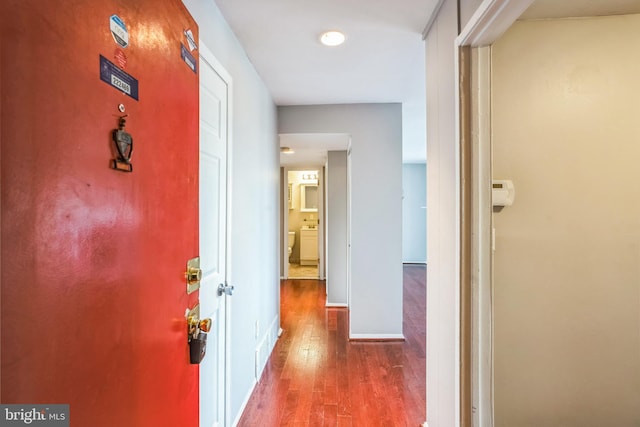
(316, 377)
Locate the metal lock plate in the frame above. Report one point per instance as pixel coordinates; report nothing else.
(193, 275)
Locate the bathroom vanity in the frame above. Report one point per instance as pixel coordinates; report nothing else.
(309, 246)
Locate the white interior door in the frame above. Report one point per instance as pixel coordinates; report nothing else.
(213, 240)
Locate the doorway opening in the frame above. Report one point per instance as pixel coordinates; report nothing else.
(312, 165)
(303, 214)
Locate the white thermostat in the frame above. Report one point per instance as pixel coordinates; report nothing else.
(502, 192)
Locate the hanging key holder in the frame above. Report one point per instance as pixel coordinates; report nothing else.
(124, 145)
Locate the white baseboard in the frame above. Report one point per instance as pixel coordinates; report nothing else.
(332, 304)
(263, 350)
(244, 404)
(373, 337)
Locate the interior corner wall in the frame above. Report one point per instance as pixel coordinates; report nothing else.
(376, 206)
(414, 213)
(336, 191)
(567, 281)
(442, 175)
(254, 204)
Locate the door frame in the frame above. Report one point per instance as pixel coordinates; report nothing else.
(208, 56)
(488, 23)
(321, 218)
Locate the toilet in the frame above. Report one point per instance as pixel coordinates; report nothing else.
(291, 240)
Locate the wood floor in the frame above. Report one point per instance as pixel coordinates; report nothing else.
(317, 377)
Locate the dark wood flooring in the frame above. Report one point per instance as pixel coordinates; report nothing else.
(317, 377)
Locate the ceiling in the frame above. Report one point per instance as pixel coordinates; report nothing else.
(546, 9)
(382, 59)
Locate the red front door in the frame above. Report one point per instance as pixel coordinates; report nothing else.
(93, 259)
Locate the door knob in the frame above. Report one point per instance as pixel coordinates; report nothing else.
(224, 289)
(195, 325)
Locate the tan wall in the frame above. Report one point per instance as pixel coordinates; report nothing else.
(566, 111)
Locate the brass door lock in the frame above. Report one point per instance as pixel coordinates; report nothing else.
(193, 275)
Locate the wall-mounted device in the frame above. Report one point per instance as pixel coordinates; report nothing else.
(502, 192)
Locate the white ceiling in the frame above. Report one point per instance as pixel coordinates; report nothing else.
(382, 59)
(545, 9)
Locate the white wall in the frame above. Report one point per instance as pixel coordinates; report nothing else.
(376, 197)
(254, 206)
(414, 213)
(442, 239)
(337, 229)
(567, 275)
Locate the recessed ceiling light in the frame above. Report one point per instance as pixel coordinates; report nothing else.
(332, 38)
(286, 150)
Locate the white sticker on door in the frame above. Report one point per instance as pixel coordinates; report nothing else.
(119, 30)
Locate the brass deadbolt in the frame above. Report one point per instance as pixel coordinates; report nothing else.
(193, 274)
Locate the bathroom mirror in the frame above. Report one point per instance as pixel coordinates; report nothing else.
(308, 198)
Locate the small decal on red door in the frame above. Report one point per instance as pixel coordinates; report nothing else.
(114, 76)
(120, 58)
(188, 59)
(191, 41)
(119, 30)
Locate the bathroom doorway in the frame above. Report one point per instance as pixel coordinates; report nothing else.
(303, 219)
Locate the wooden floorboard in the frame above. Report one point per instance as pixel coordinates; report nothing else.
(317, 377)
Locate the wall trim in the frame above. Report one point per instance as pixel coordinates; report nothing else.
(481, 258)
(270, 339)
(376, 337)
(244, 403)
(265, 347)
(490, 21)
(487, 24)
(336, 305)
(432, 19)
